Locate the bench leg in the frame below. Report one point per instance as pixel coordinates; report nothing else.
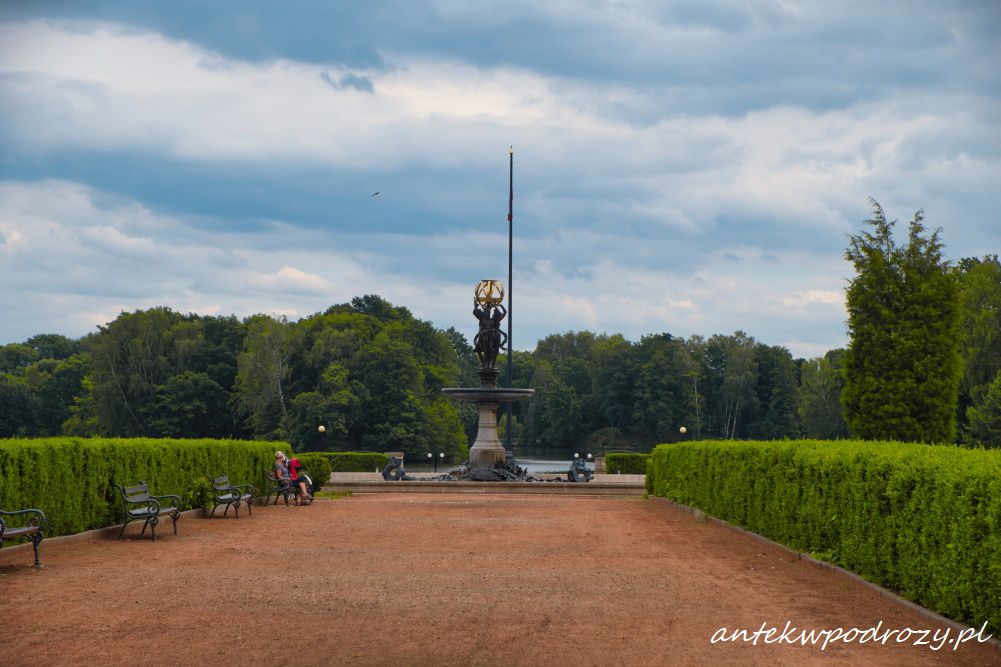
(175, 516)
(250, 506)
(35, 539)
(151, 522)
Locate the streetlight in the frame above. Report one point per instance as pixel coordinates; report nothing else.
(441, 457)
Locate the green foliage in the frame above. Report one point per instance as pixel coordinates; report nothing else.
(19, 409)
(903, 363)
(317, 466)
(356, 461)
(72, 479)
(924, 520)
(261, 395)
(985, 417)
(626, 463)
(821, 383)
(980, 327)
(189, 402)
(16, 356)
(200, 494)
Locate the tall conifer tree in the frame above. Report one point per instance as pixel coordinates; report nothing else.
(903, 363)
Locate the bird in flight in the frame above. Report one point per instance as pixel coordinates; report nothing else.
(374, 193)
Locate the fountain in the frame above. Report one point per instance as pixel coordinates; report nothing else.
(487, 457)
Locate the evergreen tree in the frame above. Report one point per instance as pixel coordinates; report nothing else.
(902, 365)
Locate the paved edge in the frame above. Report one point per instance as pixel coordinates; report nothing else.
(699, 515)
(605, 489)
(103, 532)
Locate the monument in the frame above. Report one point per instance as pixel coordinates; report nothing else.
(487, 451)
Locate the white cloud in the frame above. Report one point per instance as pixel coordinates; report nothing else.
(681, 221)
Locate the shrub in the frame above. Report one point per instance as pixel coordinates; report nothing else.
(317, 466)
(73, 479)
(627, 464)
(924, 520)
(356, 461)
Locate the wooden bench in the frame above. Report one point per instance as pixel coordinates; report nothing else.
(231, 495)
(140, 505)
(34, 530)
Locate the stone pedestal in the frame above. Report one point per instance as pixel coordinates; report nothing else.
(487, 450)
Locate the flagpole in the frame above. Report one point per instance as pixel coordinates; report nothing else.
(510, 289)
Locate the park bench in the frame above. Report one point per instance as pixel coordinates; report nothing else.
(34, 530)
(140, 505)
(279, 489)
(282, 489)
(231, 495)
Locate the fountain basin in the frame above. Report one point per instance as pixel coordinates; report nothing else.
(487, 450)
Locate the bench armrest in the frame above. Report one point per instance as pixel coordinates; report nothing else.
(37, 518)
(249, 488)
(167, 496)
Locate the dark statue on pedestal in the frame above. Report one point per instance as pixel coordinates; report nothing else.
(488, 460)
(490, 340)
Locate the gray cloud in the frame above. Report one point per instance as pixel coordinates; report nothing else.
(694, 167)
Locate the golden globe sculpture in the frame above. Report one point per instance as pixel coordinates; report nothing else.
(489, 293)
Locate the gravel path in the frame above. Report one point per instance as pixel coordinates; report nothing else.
(436, 580)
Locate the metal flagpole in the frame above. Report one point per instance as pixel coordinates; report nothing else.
(510, 289)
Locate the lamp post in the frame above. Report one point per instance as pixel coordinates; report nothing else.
(440, 456)
(510, 291)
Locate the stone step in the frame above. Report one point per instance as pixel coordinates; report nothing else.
(602, 485)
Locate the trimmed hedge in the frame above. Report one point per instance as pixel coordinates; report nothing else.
(627, 464)
(317, 466)
(924, 520)
(72, 479)
(355, 461)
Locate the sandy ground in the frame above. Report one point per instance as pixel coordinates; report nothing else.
(437, 580)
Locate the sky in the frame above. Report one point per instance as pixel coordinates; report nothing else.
(691, 167)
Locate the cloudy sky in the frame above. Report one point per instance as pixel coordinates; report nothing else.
(692, 167)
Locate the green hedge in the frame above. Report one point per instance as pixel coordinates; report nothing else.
(355, 461)
(317, 466)
(72, 479)
(924, 520)
(627, 464)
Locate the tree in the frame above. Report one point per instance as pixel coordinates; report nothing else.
(190, 404)
(131, 357)
(902, 365)
(261, 395)
(980, 327)
(18, 409)
(57, 384)
(985, 416)
(53, 346)
(16, 356)
(777, 394)
(820, 397)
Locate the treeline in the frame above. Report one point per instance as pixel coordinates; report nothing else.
(367, 371)
(600, 390)
(371, 373)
